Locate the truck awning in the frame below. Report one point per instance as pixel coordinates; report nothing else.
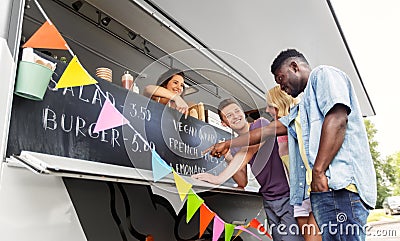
(242, 38)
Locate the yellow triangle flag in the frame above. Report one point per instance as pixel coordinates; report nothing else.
(182, 186)
(75, 75)
(46, 37)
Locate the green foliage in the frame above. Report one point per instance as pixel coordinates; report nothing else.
(378, 214)
(371, 131)
(393, 172)
(387, 171)
(382, 189)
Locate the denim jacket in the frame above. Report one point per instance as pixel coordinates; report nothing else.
(326, 87)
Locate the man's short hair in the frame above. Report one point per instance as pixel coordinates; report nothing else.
(225, 103)
(283, 56)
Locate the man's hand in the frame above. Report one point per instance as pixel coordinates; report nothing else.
(333, 133)
(218, 149)
(319, 182)
(207, 177)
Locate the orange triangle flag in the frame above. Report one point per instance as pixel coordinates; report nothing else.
(254, 223)
(206, 215)
(46, 37)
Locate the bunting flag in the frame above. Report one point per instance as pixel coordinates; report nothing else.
(254, 223)
(109, 118)
(206, 215)
(169, 193)
(193, 203)
(243, 229)
(240, 230)
(75, 75)
(159, 166)
(218, 228)
(182, 186)
(229, 228)
(47, 37)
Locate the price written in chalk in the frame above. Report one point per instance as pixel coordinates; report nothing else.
(136, 145)
(139, 112)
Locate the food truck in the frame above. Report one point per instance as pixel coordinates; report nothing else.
(78, 162)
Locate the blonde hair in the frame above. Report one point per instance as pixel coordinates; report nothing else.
(280, 100)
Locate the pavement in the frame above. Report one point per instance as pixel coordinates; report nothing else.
(386, 229)
(383, 221)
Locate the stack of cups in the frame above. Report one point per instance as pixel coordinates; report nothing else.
(104, 73)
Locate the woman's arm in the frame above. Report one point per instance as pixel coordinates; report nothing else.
(159, 91)
(236, 168)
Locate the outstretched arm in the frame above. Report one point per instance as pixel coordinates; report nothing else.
(235, 169)
(251, 138)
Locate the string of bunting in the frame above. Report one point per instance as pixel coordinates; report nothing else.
(47, 36)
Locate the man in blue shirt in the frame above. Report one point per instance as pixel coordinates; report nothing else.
(327, 136)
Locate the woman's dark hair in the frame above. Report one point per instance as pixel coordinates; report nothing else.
(167, 76)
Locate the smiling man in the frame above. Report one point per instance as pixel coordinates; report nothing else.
(328, 146)
(267, 167)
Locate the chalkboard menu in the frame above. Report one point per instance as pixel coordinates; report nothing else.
(63, 123)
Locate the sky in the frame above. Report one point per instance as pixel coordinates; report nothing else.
(372, 31)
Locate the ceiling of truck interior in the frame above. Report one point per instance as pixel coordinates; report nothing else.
(232, 43)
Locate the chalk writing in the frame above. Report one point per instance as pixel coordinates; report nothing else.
(138, 146)
(182, 147)
(78, 124)
(186, 169)
(140, 112)
(180, 127)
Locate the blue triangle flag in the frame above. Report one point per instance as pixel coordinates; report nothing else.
(160, 167)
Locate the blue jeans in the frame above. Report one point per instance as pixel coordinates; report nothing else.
(281, 220)
(340, 214)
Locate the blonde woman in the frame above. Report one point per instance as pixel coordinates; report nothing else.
(278, 105)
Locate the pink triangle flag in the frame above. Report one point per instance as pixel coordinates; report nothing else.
(109, 118)
(218, 228)
(247, 231)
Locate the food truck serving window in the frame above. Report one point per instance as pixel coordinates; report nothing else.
(63, 124)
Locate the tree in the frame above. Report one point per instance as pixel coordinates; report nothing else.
(382, 168)
(393, 172)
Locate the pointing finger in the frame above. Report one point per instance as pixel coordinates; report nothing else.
(207, 150)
